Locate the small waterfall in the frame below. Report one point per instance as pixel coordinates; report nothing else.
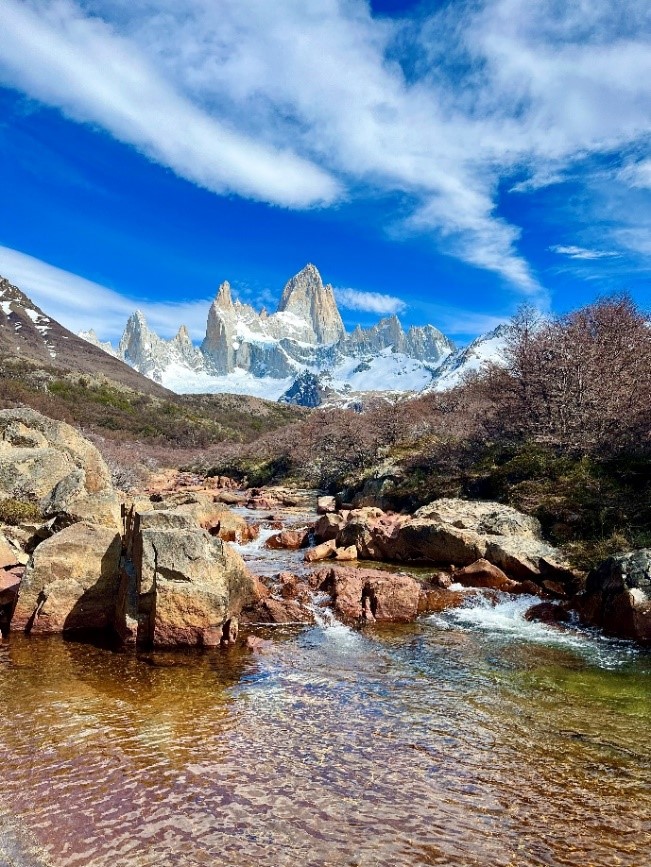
(255, 545)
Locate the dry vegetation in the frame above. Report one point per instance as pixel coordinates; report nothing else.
(563, 432)
(139, 432)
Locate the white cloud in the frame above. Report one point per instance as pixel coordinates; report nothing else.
(581, 253)
(369, 302)
(80, 304)
(637, 175)
(81, 65)
(293, 102)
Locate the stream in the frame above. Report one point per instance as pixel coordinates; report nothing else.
(471, 737)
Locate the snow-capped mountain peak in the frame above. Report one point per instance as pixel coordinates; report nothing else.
(300, 346)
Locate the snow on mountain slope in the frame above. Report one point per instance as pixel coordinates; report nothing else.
(486, 349)
(180, 379)
(301, 351)
(387, 371)
(263, 354)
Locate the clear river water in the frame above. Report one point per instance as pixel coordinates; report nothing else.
(468, 738)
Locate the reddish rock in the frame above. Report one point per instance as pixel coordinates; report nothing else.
(393, 598)
(321, 552)
(554, 588)
(436, 599)
(259, 590)
(10, 584)
(292, 587)
(481, 573)
(547, 612)
(528, 588)
(272, 610)
(8, 555)
(290, 539)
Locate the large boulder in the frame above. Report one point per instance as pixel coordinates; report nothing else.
(52, 465)
(72, 583)
(188, 584)
(618, 596)
(370, 595)
(427, 541)
(482, 517)
(204, 510)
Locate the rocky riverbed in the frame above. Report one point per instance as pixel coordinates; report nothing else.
(265, 679)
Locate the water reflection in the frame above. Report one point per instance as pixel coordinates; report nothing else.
(435, 743)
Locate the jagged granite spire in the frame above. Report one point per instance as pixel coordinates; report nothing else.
(143, 349)
(224, 297)
(306, 297)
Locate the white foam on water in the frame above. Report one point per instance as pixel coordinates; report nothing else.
(333, 629)
(505, 620)
(255, 545)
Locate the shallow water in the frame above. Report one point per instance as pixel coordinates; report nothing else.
(472, 738)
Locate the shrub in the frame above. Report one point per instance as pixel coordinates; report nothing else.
(14, 511)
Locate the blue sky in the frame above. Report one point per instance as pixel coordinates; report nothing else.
(445, 160)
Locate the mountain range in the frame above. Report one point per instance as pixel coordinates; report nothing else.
(301, 353)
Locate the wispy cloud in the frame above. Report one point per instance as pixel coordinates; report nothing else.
(369, 302)
(229, 95)
(637, 175)
(80, 64)
(81, 304)
(581, 252)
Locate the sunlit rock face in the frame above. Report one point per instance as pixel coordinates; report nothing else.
(308, 299)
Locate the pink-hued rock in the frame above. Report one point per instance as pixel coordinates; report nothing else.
(289, 539)
(279, 611)
(481, 573)
(9, 556)
(547, 612)
(433, 600)
(392, 598)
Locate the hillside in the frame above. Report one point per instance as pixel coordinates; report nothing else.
(47, 367)
(27, 333)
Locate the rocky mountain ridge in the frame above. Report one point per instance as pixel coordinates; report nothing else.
(29, 334)
(270, 354)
